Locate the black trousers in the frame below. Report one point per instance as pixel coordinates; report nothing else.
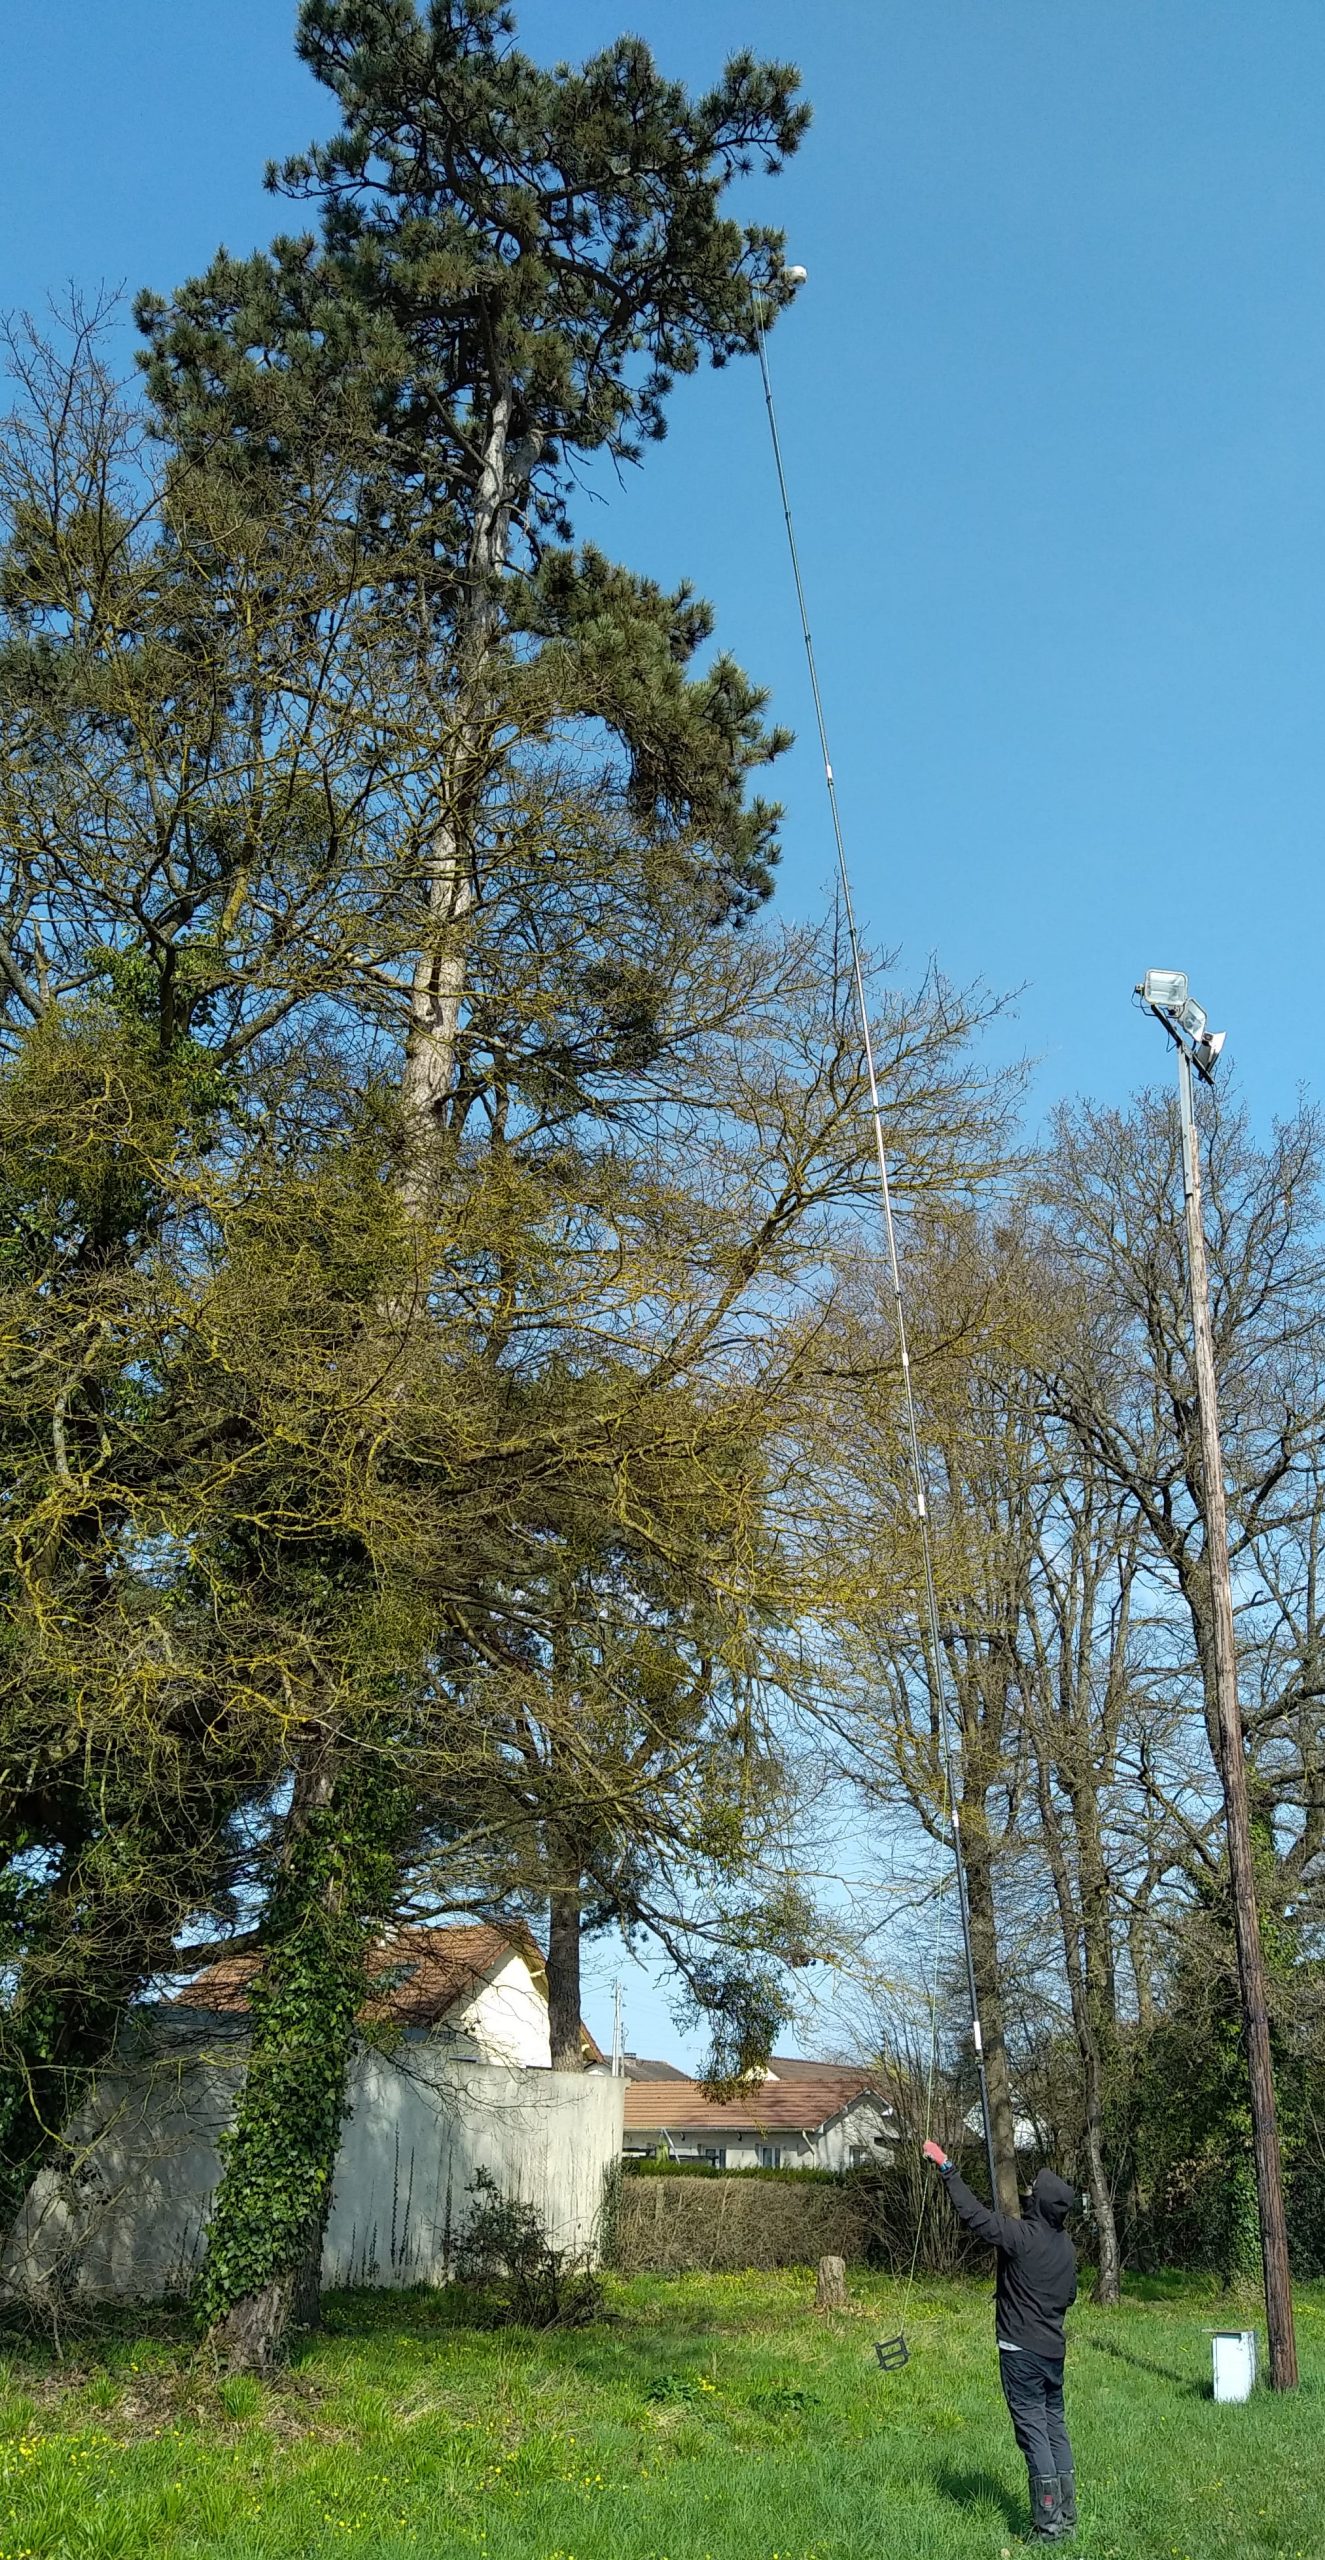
(1033, 2390)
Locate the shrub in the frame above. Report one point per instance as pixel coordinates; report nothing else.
(505, 2250)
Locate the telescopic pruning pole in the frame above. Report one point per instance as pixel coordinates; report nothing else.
(1232, 1760)
(930, 1635)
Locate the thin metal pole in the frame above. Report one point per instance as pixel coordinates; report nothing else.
(1233, 1774)
(933, 1646)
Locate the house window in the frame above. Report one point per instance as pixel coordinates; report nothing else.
(770, 2156)
(716, 2157)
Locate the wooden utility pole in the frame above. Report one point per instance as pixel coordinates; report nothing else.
(1233, 1772)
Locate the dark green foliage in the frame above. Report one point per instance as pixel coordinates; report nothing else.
(677, 2390)
(617, 650)
(513, 266)
(483, 220)
(1179, 2118)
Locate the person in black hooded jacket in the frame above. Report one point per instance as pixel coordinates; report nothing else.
(1035, 2285)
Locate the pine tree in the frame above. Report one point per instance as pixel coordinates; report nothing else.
(513, 267)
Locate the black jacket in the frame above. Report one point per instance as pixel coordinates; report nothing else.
(1037, 2264)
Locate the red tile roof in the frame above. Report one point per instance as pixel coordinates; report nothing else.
(809, 2097)
(424, 1973)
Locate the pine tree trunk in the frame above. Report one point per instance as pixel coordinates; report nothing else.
(441, 970)
(253, 2335)
(563, 1978)
(262, 2273)
(988, 1986)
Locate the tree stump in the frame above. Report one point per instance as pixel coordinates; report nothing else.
(831, 2291)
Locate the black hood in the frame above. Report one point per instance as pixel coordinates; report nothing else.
(1052, 2198)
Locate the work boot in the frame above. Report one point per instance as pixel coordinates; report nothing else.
(1067, 2490)
(1046, 2508)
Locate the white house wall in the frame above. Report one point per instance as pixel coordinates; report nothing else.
(507, 2019)
(836, 2147)
(129, 2220)
(853, 2132)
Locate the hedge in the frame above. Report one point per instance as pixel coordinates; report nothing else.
(722, 2224)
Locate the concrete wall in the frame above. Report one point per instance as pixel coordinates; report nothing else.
(128, 2216)
(421, 2128)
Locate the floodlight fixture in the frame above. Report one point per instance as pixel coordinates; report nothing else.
(1165, 992)
(1165, 989)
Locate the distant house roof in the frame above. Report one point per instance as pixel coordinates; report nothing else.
(416, 1976)
(635, 2067)
(786, 2066)
(797, 2101)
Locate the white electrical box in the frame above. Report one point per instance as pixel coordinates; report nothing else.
(1235, 2363)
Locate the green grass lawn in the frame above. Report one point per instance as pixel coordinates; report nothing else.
(710, 2418)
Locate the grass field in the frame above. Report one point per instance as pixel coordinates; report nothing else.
(714, 2418)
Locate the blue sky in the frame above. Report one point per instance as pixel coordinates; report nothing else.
(1054, 411)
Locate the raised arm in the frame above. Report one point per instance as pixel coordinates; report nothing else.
(999, 2230)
